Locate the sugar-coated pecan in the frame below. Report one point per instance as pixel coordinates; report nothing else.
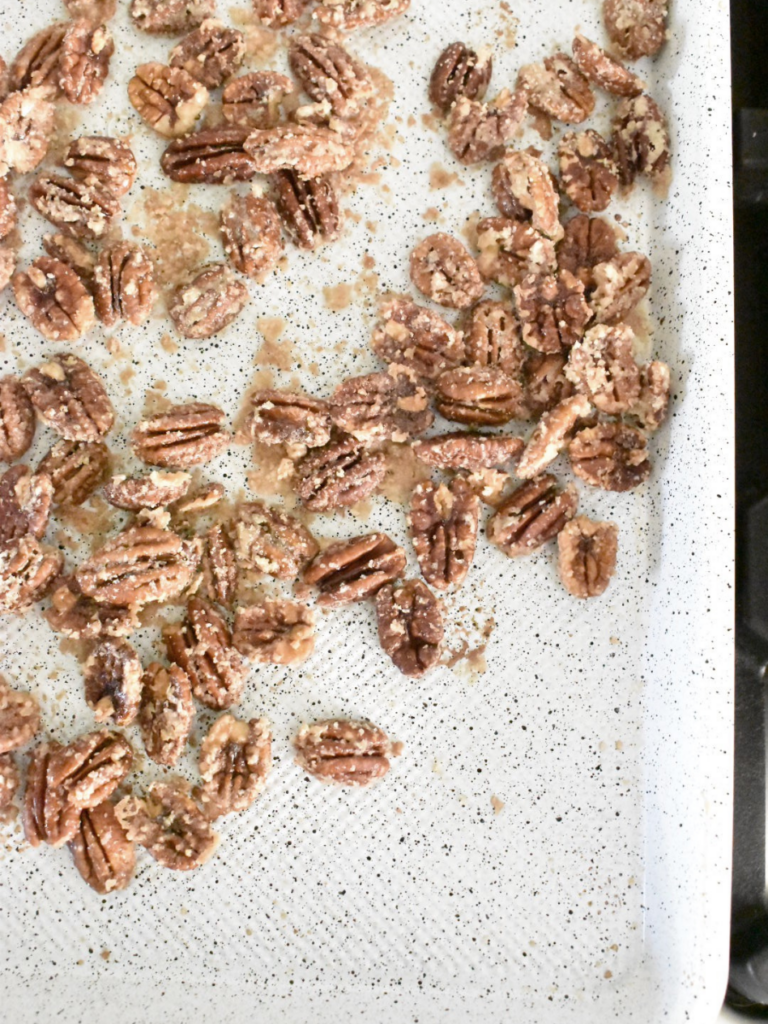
(524, 190)
(26, 128)
(282, 417)
(78, 208)
(183, 436)
(166, 713)
(460, 71)
(444, 521)
(96, 10)
(410, 623)
(344, 752)
(463, 450)
(637, 27)
(168, 99)
(141, 565)
(443, 270)
(170, 17)
(531, 516)
(202, 647)
(275, 632)
(587, 242)
(76, 469)
(510, 250)
(82, 618)
(169, 825)
(10, 780)
(641, 141)
(588, 170)
(620, 284)
(480, 396)
(154, 490)
(251, 233)
(89, 769)
(652, 404)
(339, 474)
(410, 335)
(552, 434)
(587, 556)
(480, 131)
(17, 419)
(7, 265)
(349, 14)
(36, 65)
(52, 295)
(3, 79)
(28, 570)
(211, 53)
(235, 762)
(603, 70)
(270, 541)
(72, 253)
(25, 503)
(210, 495)
(308, 150)
(19, 718)
(211, 156)
(112, 677)
(254, 99)
(612, 456)
(208, 303)
(8, 209)
(47, 815)
(492, 338)
(328, 72)
(389, 406)
(552, 310)
(124, 284)
(86, 50)
(558, 88)
(603, 366)
(101, 851)
(353, 570)
(277, 13)
(309, 208)
(321, 115)
(220, 565)
(104, 160)
(69, 397)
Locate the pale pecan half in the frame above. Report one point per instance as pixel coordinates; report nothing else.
(588, 170)
(275, 632)
(202, 647)
(443, 270)
(8, 209)
(282, 417)
(307, 149)
(347, 753)
(102, 159)
(26, 128)
(84, 59)
(587, 242)
(413, 336)
(410, 624)
(587, 556)
(169, 825)
(101, 851)
(19, 718)
(235, 762)
(612, 456)
(72, 253)
(552, 434)
(251, 233)
(183, 436)
(17, 419)
(339, 475)
(460, 450)
(169, 100)
(28, 570)
(254, 99)
(389, 406)
(47, 816)
(510, 250)
(641, 141)
(154, 490)
(80, 209)
(112, 677)
(532, 515)
(524, 190)
(443, 521)
(211, 53)
(25, 503)
(277, 13)
(353, 570)
(349, 14)
(82, 618)
(10, 780)
(220, 566)
(69, 397)
(480, 396)
(36, 65)
(492, 338)
(552, 310)
(328, 72)
(267, 540)
(637, 27)
(309, 208)
(89, 769)
(602, 69)
(211, 156)
(460, 71)
(652, 404)
(76, 469)
(166, 713)
(620, 284)
(480, 131)
(558, 88)
(170, 17)
(208, 303)
(52, 295)
(603, 366)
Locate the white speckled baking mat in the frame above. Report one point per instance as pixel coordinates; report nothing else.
(599, 890)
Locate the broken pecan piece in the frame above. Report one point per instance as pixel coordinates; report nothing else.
(277, 13)
(76, 469)
(17, 419)
(410, 623)
(281, 417)
(307, 149)
(270, 541)
(382, 406)
(339, 475)
(154, 490)
(510, 250)
(652, 404)
(602, 69)
(235, 762)
(47, 816)
(8, 209)
(309, 208)
(587, 556)
(460, 71)
(101, 851)
(612, 456)
(169, 100)
(19, 718)
(353, 570)
(641, 141)
(254, 99)
(251, 233)
(86, 50)
(525, 189)
(603, 366)
(637, 27)
(208, 303)
(588, 171)
(53, 297)
(587, 242)
(90, 769)
(82, 618)
(170, 17)
(70, 398)
(328, 72)
(480, 396)
(443, 270)
(211, 156)
(349, 14)
(96, 10)
(275, 632)
(558, 88)
(10, 780)
(211, 53)
(25, 503)
(418, 338)
(169, 825)
(620, 284)
(480, 131)
(28, 570)
(492, 338)
(183, 436)
(220, 566)
(112, 677)
(531, 516)
(124, 285)
(80, 209)
(552, 309)
(74, 254)
(202, 647)
(444, 521)
(7, 266)
(551, 435)
(107, 161)
(26, 128)
(462, 450)
(36, 65)
(166, 713)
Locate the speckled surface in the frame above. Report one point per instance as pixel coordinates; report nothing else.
(600, 890)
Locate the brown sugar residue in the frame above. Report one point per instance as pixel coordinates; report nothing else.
(105, 954)
(497, 805)
(440, 177)
(167, 343)
(368, 261)
(127, 375)
(260, 42)
(432, 214)
(470, 228)
(541, 123)
(338, 296)
(154, 402)
(271, 327)
(3, 343)
(67, 120)
(404, 472)
(272, 353)
(95, 520)
(180, 231)
(372, 226)
(431, 122)
(509, 32)
(272, 474)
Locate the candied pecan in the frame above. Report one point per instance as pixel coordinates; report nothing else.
(8, 209)
(211, 156)
(78, 208)
(531, 516)
(90, 769)
(480, 131)
(443, 270)
(99, 158)
(210, 495)
(7, 266)
(275, 632)
(82, 618)
(112, 677)
(309, 208)
(141, 565)
(183, 436)
(124, 285)
(96, 10)
(587, 242)
(510, 250)
(74, 254)
(220, 566)
(169, 100)
(84, 60)
(202, 647)
(480, 396)
(76, 469)
(588, 171)
(359, 13)
(166, 713)
(462, 450)
(154, 490)
(641, 141)
(418, 338)
(17, 419)
(251, 233)
(37, 63)
(603, 366)
(19, 718)
(208, 303)
(101, 851)
(602, 69)
(460, 71)
(339, 474)
(307, 149)
(650, 409)
(545, 382)
(382, 406)
(610, 455)
(254, 99)
(552, 434)
(321, 115)
(10, 780)
(410, 623)
(169, 825)
(444, 521)
(270, 541)
(620, 284)
(328, 72)
(353, 570)
(170, 17)
(277, 13)
(52, 295)
(25, 503)
(524, 187)
(28, 570)
(558, 88)
(587, 556)
(281, 417)
(69, 397)
(3, 79)
(347, 753)
(211, 53)
(26, 127)
(637, 27)
(47, 815)
(552, 310)
(492, 338)
(235, 761)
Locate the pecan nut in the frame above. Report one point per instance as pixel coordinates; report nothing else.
(381, 407)
(112, 677)
(603, 70)
(235, 762)
(275, 632)
(353, 570)
(84, 59)
(80, 209)
(107, 161)
(254, 99)
(419, 338)
(69, 397)
(169, 100)
(251, 232)
(339, 475)
(8, 209)
(443, 521)
(47, 815)
(166, 713)
(480, 131)
(545, 382)
(183, 436)
(76, 469)
(551, 435)
(652, 404)
(17, 419)
(90, 769)
(350, 14)
(281, 417)
(327, 72)
(72, 253)
(637, 27)
(587, 556)
(553, 311)
(101, 851)
(202, 647)
(443, 270)
(309, 208)
(7, 266)
(124, 285)
(269, 541)
(558, 88)
(620, 284)
(410, 624)
(531, 516)
(603, 366)
(480, 396)
(19, 718)
(492, 338)
(211, 53)
(308, 150)
(459, 71)
(54, 298)
(10, 780)
(347, 753)
(210, 495)
(170, 17)
(460, 450)
(588, 171)
(277, 13)
(82, 618)
(525, 189)
(26, 127)
(211, 156)
(96, 10)
(208, 303)
(511, 250)
(220, 574)
(587, 242)
(28, 571)
(154, 490)
(641, 142)
(169, 825)
(612, 456)
(25, 503)
(36, 65)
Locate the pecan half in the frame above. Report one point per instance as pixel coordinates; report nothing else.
(166, 713)
(587, 556)
(347, 753)
(169, 100)
(444, 521)
(124, 285)
(169, 825)
(459, 71)
(612, 456)
(558, 88)
(76, 469)
(307, 149)
(26, 128)
(202, 647)
(443, 270)
(79, 209)
(112, 677)
(641, 141)
(220, 566)
(69, 397)
(460, 450)
(328, 72)
(101, 851)
(510, 250)
(353, 570)
(419, 338)
(36, 65)
(281, 417)
(84, 60)
(170, 17)
(620, 284)
(72, 253)
(653, 402)
(382, 406)
(339, 475)
(587, 242)
(99, 158)
(25, 503)
(254, 99)
(269, 541)
(492, 338)
(637, 27)
(10, 780)
(211, 156)
(47, 816)
(141, 565)
(235, 761)
(183, 436)
(480, 131)
(28, 570)
(90, 769)
(524, 190)
(82, 618)
(603, 366)
(309, 208)
(19, 718)
(17, 419)
(480, 396)
(208, 303)
(410, 623)
(275, 632)
(251, 233)
(8, 209)
(553, 312)
(211, 53)
(154, 490)
(53, 297)
(551, 435)
(588, 171)
(531, 516)
(603, 70)
(348, 14)
(277, 13)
